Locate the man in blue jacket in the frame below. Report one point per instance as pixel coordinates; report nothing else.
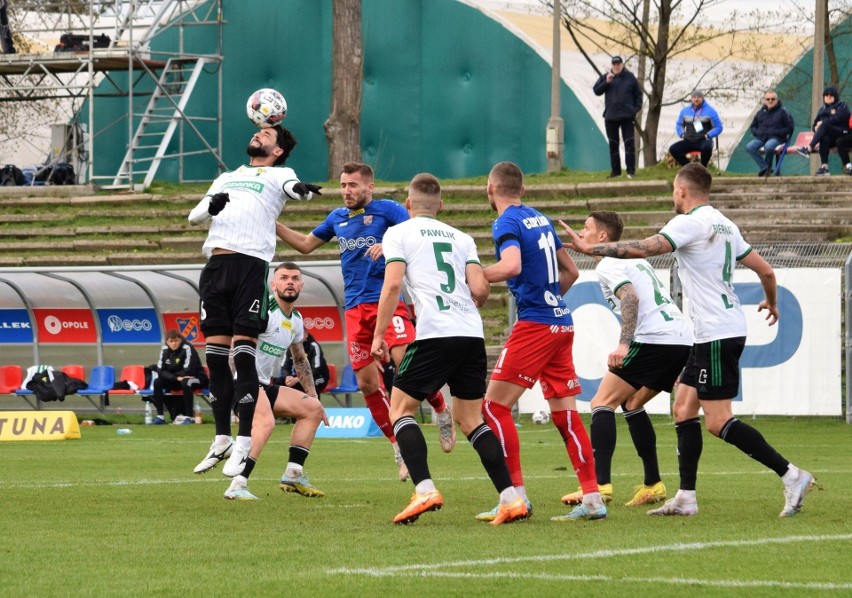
(697, 125)
(622, 101)
(771, 127)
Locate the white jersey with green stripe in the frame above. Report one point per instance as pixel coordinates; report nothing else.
(659, 321)
(272, 345)
(707, 247)
(247, 223)
(436, 256)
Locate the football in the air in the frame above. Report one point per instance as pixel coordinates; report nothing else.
(266, 107)
(541, 417)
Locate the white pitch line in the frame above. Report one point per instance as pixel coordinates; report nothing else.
(438, 568)
(724, 583)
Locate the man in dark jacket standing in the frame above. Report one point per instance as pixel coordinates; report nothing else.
(771, 127)
(622, 101)
(179, 368)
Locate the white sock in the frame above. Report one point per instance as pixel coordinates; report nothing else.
(509, 495)
(791, 475)
(223, 439)
(685, 495)
(293, 470)
(522, 492)
(425, 487)
(593, 500)
(244, 441)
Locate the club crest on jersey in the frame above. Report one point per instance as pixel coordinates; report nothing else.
(368, 220)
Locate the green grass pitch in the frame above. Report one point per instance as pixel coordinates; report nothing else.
(112, 515)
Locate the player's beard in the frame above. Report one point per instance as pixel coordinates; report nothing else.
(288, 296)
(257, 151)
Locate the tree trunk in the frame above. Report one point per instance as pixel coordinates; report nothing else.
(343, 127)
(830, 55)
(658, 84)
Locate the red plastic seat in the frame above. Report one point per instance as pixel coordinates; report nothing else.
(131, 373)
(75, 371)
(11, 377)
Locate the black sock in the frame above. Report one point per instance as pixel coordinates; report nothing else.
(250, 463)
(221, 386)
(753, 444)
(412, 446)
(603, 437)
(298, 454)
(485, 443)
(645, 440)
(690, 443)
(246, 385)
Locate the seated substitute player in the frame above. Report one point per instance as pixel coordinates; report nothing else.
(652, 349)
(538, 271)
(359, 228)
(178, 368)
(241, 208)
(707, 246)
(284, 330)
(441, 269)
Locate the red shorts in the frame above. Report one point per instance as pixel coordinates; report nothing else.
(539, 352)
(360, 324)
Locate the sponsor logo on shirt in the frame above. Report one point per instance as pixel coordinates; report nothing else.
(256, 186)
(345, 244)
(273, 350)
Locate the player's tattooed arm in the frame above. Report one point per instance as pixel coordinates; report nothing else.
(303, 369)
(629, 312)
(655, 245)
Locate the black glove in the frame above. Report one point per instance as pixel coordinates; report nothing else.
(305, 188)
(217, 203)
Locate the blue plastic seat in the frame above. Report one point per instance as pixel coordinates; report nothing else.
(347, 387)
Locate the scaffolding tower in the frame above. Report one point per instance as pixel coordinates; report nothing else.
(71, 49)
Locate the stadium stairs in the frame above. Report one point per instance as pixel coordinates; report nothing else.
(78, 225)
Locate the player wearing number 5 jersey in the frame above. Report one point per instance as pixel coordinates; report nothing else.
(360, 227)
(538, 272)
(441, 269)
(652, 349)
(707, 246)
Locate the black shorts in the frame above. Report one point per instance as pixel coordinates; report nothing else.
(271, 391)
(234, 295)
(458, 361)
(713, 368)
(653, 366)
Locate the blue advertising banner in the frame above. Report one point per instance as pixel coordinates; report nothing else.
(129, 326)
(348, 423)
(15, 326)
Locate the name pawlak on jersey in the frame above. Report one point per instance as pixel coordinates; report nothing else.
(436, 256)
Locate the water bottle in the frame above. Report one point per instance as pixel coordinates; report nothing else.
(197, 411)
(149, 413)
(124, 431)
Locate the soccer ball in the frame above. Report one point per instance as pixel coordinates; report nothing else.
(541, 417)
(266, 107)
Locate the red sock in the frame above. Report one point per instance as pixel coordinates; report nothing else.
(437, 401)
(579, 447)
(377, 403)
(499, 419)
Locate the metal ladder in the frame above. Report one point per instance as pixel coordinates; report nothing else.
(158, 123)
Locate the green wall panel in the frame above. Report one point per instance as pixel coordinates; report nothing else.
(446, 90)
